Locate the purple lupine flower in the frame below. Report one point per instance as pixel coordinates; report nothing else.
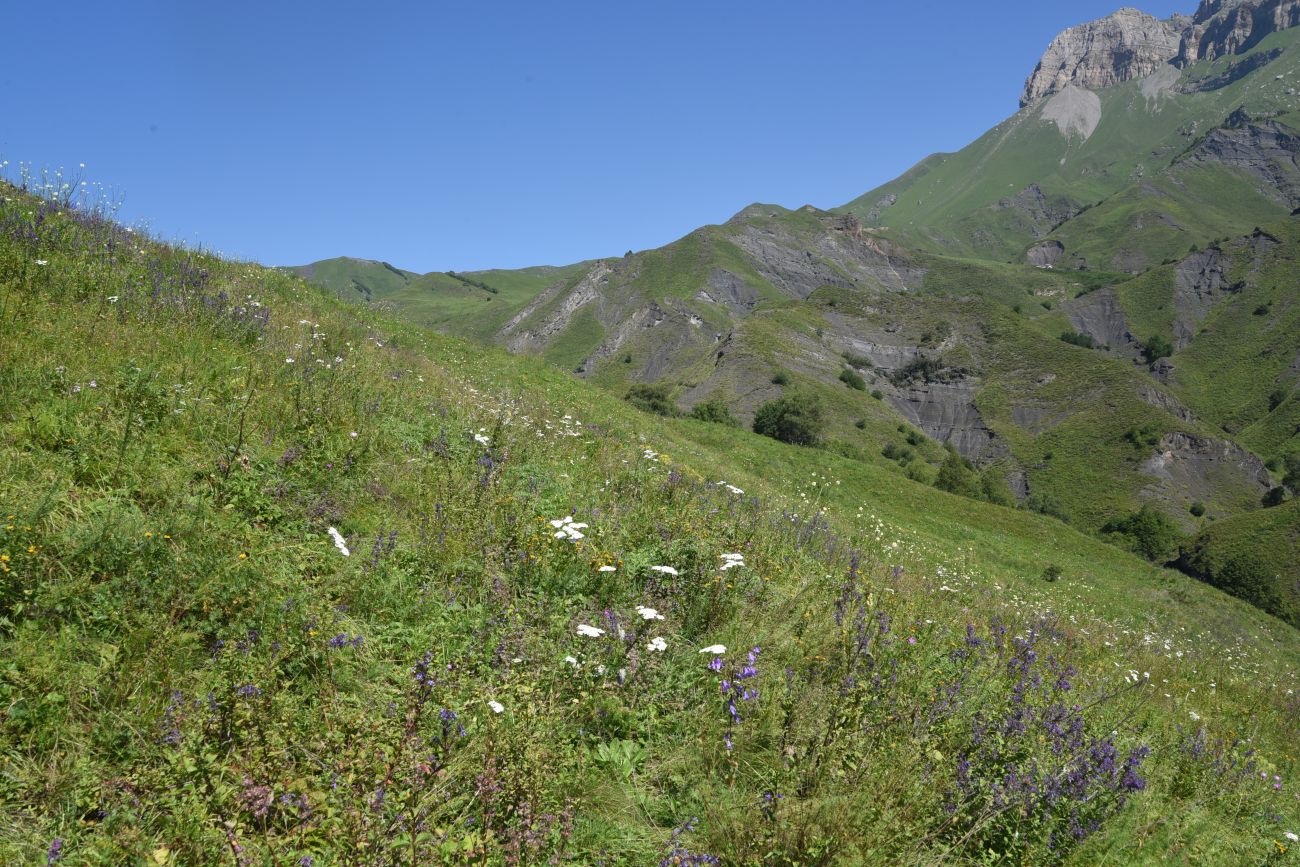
(55, 852)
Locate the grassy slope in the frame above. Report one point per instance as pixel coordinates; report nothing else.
(944, 203)
(1253, 557)
(170, 691)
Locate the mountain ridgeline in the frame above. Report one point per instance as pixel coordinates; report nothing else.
(1090, 311)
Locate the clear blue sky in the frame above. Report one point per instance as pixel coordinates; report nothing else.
(478, 134)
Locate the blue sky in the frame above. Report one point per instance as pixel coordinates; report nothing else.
(459, 136)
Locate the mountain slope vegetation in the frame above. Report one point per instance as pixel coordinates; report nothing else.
(286, 580)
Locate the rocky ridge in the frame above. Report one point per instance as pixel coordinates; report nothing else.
(1130, 44)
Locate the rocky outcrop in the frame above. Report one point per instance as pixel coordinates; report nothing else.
(1265, 149)
(1186, 466)
(1041, 213)
(1130, 44)
(1045, 254)
(1125, 45)
(1100, 316)
(946, 412)
(1223, 27)
(1200, 281)
(844, 256)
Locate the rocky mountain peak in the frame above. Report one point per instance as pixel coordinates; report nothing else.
(1130, 44)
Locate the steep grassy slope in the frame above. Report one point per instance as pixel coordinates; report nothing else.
(1253, 557)
(1122, 152)
(194, 671)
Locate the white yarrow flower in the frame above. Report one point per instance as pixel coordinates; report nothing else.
(497, 707)
(339, 542)
(658, 644)
(716, 649)
(41, 262)
(606, 569)
(572, 661)
(1291, 835)
(648, 613)
(590, 631)
(667, 570)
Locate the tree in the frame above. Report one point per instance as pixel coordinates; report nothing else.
(957, 476)
(1148, 532)
(797, 419)
(1157, 347)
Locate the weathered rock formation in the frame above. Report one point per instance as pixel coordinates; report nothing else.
(1122, 46)
(1129, 44)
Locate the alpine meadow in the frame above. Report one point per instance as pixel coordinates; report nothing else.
(957, 524)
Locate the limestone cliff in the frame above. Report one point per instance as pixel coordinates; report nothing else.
(1130, 44)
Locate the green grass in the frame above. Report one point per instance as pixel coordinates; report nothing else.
(193, 673)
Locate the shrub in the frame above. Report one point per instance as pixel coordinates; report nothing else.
(856, 360)
(1078, 339)
(1262, 310)
(1197, 509)
(714, 410)
(915, 438)
(652, 398)
(1052, 573)
(1148, 532)
(1275, 497)
(1291, 476)
(1276, 398)
(895, 452)
(797, 419)
(860, 424)
(1144, 437)
(1157, 347)
(853, 379)
(957, 476)
(780, 378)
(877, 394)
(923, 367)
(1046, 504)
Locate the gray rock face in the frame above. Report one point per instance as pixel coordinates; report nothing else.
(946, 412)
(1130, 44)
(1199, 282)
(1100, 316)
(731, 291)
(844, 256)
(1122, 46)
(1043, 214)
(1195, 467)
(1045, 254)
(1265, 149)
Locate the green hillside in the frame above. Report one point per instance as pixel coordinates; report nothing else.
(196, 670)
(1118, 195)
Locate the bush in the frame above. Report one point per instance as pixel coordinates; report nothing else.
(895, 452)
(1291, 476)
(1148, 532)
(1197, 509)
(877, 394)
(1046, 504)
(1276, 398)
(1275, 497)
(957, 476)
(853, 379)
(652, 398)
(1078, 339)
(1052, 573)
(780, 378)
(923, 367)
(1145, 437)
(714, 410)
(856, 360)
(797, 419)
(1157, 347)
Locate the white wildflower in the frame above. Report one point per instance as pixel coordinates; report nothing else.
(667, 570)
(112, 299)
(572, 661)
(606, 569)
(339, 542)
(716, 649)
(482, 440)
(590, 631)
(497, 707)
(1196, 717)
(1291, 835)
(41, 262)
(648, 613)
(658, 644)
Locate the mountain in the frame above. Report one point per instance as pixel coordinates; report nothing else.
(1094, 304)
(288, 579)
